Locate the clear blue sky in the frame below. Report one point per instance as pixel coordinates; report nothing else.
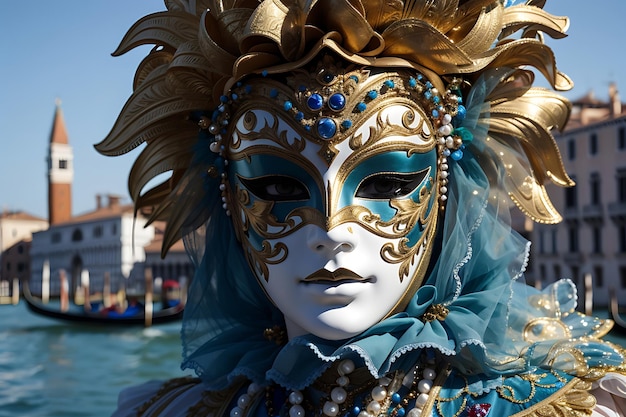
(61, 49)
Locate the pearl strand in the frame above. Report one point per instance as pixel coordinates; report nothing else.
(244, 400)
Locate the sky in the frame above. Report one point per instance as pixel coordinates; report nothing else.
(62, 50)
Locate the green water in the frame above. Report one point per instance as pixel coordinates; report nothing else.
(50, 368)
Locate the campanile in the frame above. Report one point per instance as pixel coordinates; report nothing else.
(60, 171)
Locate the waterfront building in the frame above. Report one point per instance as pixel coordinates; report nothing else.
(105, 249)
(591, 239)
(16, 229)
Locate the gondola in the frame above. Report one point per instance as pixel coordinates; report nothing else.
(81, 316)
(620, 323)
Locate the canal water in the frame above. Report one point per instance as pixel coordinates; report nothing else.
(54, 369)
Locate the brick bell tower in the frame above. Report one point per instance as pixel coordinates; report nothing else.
(60, 171)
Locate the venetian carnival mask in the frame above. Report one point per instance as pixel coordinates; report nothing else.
(335, 180)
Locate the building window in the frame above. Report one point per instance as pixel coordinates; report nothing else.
(571, 196)
(114, 229)
(595, 188)
(571, 149)
(21, 267)
(593, 144)
(597, 239)
(621, 185)
(20, 249)
(622, 275)
(77, 236)
(598, 276)
(554, 241)
(62, 163)
(575, 273)
(542, 248)
(97, 231)
(621, 231)
(572, 232)
(621, 138)
(56, 237)
(557, 272)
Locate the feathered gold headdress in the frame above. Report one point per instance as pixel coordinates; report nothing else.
(202, 47)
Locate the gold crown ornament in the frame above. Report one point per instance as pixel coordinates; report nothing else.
(205, 50)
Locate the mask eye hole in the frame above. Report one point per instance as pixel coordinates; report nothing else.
(390, 185)
(276, 188)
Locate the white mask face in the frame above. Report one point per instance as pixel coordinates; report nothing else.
(337, 231)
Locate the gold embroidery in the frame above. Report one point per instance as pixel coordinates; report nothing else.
(573, 400)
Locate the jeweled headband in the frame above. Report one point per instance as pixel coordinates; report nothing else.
(204, 48)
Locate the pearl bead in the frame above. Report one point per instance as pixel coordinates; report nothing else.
(346, 367)
(443, 174)
(425, 385)
(373, 407)
(443, 190)
(338, 395)
(429, 373)
(214, 147)
(296, 397)
(379, 393)
(243, 401)
(414, 412)
(330, 408)
(445, 130)
(447, 119)
(236, 412)
(296, 411)
(364, 414)
(421, 399)
(254, 388)
(343, 380)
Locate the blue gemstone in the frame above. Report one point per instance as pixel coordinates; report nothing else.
(248, 89)
(420, 77)
(302, 88)
(264, 73)
(337, 102)
(234, 96)
(435, 113)
(273, 93)
(436, 99)
(315, 102)
(356, 410)
(390, 83)
(457, 155)
(355, 78)
(326, 128)
(428, 84)
(224, 99)
(361, 107)
(396, 398)
(428, 94)
(328, 77)
(299, 116)
(346, 124)
(461, 113)
(400, 412)
(288, 105)
(372, 94)
(412, 82)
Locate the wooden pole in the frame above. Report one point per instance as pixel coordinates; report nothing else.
(84, 282)
(148, 297)
(15, 296)
(45, 282)
(588, 294)
(106, 291)
(65, 298)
